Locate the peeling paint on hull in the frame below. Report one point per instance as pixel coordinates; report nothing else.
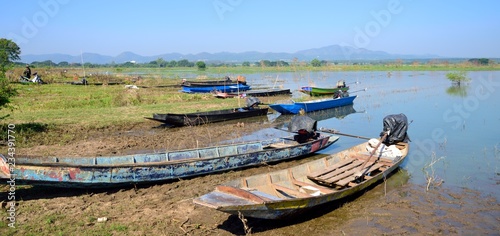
(101, 172)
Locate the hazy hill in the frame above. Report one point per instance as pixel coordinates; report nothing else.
(328, 53)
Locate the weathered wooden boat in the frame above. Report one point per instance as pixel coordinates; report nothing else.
(313, 105)
(286, 193)
(204, 83)
(264, 92)
(211, 83)
(110, 171)
(200, 118)
(230, 88)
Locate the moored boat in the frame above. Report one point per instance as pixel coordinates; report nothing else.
(113, 171)
(227, 81)
(264, 92)
(225, 88)
(318, 91)
(289, 192)
(313, 105)
(199, 118)
(315, 91)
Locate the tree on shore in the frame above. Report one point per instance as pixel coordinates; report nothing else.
(9, 51)
(201, 65)
(316, 63)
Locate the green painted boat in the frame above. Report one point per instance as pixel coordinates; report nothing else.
(315, 91)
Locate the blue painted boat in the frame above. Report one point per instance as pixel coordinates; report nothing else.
(313, 105)
(231, 88)
(112, 171)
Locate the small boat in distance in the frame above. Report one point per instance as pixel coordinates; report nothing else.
(229, 88)
(199, 118)
(226, 81)
(313, 105)
(316, 91)
(264, 92)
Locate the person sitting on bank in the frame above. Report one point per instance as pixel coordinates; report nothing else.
(27, 72)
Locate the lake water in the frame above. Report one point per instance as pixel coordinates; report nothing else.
(458, 128)
(455, 132)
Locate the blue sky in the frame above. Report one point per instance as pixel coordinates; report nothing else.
(150, 27)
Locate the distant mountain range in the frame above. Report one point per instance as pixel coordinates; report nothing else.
(328, 53)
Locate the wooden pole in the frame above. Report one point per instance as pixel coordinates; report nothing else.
(332, 131)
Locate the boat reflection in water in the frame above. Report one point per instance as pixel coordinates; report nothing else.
(282, 121)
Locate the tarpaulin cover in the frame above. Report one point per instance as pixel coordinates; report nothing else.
(302, 122)
(397, 125)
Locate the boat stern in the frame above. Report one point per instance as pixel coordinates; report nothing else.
(4, 167)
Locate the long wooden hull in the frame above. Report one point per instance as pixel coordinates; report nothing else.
(266, 93)
(112, 171)
(288, 192)
(199, 118)
(232, 88)
(314, 105)
(315, 91)
(211, 83)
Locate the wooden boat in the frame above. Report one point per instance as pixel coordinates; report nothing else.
(313, 105)
(210, 83)
(229, 88)
(285, 193)
(199, 118)
(111, 171)
(316, 91)
(264, 92)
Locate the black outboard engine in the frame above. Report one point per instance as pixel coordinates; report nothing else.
(305, 127)
(396, 125)
(252, 102)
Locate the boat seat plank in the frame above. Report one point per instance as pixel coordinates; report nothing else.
(242, 193)
(347, 175)
(291, 191)
(348, 179)
(338, 172)
(343, 169)
(320, 188)
(331, 168)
